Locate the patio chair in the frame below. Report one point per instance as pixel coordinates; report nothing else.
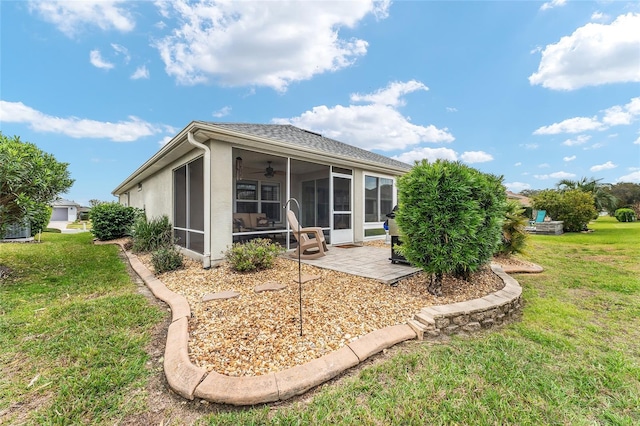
(308, 247)
(540, 215)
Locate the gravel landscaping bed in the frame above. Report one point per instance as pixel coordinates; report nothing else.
(259, 333)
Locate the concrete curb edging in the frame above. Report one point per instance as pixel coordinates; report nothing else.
(189, 380)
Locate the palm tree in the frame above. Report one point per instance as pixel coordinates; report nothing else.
(603, 200)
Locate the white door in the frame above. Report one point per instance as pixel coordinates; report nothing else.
(341, 209)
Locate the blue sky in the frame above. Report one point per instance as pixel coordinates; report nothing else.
(533, 91)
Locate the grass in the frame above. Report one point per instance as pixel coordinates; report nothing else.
(574, 358)
(73, 331)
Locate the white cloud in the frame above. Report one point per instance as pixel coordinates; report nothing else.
(71, 17)
(96, 60)
(431, 154)
(599, 16)
(452, 109)
(551, 4)
(122, 131)
(472, 157)
(570, 125)
(222, 112)
(530, 146)
(268, 44)
(594, 54)
(544, 166)
(164, 140)
(140, 72)
(375, 126)
(637, 141)
(631, 177)
(606, 166)
(517, 186)
(594, 146)
(390, 95)
(122, 51)
(518, 164)
(555, 175)
(622, 115)
(579, 140)
(567, 159)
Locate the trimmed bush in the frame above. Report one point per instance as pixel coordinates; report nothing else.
(451, 218)
(151, 235)
(514, 237)
(112, 220)
(625, 215)
(256, 254)
(166, 259)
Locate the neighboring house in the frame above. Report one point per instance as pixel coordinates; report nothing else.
(213, 178)
(64, 211)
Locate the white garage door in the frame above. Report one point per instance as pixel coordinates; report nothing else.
(59, 214)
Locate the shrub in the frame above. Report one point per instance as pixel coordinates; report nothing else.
(112, 220)
(166, 259)
(39, 218)
(514, 237)
(451, 217)
(574, 207)
(256, 254)
(151, 235)
(625, 215)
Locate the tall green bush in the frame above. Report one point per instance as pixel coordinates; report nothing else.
(451, 217)
(40, 217)
(150, 235)
(112, 220)
(574, 207)
(514, 236)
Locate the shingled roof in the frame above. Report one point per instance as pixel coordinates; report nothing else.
(295, 136)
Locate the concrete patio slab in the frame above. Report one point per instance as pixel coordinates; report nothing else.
(364, 261)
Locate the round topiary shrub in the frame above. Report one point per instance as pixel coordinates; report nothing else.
(451, 218)
(625, 215)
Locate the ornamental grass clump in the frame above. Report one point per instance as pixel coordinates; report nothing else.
(254, 255)
(450, 216)
(152, 235)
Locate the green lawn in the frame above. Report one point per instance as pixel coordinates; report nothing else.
(72, 333)
(71, 317)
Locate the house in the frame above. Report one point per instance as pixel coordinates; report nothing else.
(64, 211)
(225, 182)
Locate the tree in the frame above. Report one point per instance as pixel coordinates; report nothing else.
(94, 202)
(627, 193)
(574, 207)
(603, 200)
(514, 236)
(29, 179)
(450, 216)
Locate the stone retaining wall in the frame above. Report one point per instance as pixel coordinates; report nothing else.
(472, 315)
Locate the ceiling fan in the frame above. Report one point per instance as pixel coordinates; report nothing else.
(269, 171)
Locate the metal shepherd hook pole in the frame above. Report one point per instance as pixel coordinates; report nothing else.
(299, 264)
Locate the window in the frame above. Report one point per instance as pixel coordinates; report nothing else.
(259, 197)
(378, 198)
(188, 206)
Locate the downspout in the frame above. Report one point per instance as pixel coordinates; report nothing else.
(206, 259)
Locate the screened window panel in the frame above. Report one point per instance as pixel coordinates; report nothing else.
(245, 207)
(386, 197)
(370, 199)
(181, 237)
(180, 197)
(196, 195)
(247, 191)
(196, 242)
(270, 192)
(272, 210)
